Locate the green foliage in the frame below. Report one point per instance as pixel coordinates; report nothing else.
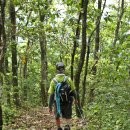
(110, 108)
(8, 114)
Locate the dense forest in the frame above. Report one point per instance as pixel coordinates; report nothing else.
(91, 37)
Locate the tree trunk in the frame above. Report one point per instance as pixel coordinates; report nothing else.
(25, 87)
(2, 52)
(42, 38)
(85, 75)
(119, 18)
(14, 54)
(1, 84)
(43, 71)
(43, 65)
(25, 60)
(97, 39)
(2, 34)
(75, 45)
(5, 63)
(120, 13)
(82, 55)
(97, 29)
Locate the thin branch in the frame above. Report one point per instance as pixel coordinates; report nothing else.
(28, 18)
(118, 22)
(89, 39)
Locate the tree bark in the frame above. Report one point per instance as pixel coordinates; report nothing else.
(2, 52)
(82, 55)
(43, 69)
(97, 39)
(42, 38)
(87, 61)
(2, 34)
(43, 82)
(5, 63)
(25, 67)
(85, 76)
(119, 18)
(1, 84)
(25, 60)
(1, 120)
(14, 54)
(75, 46)
(120, 13)
(87, 57)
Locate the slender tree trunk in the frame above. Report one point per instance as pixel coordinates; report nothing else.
(119, 18)
(1, 117)
(85, 76)
(2, 53)
(5, 49)
(42, 38)
(43, 65)
(1, 121)
(25, 87)
(82, 54)
(75, 46)
(97, 39)
(120, 13)
(25, 60)
(2, 34)
(91, 94)
(129, 74)
(43, 70)
(7, 81)
(14, 54)
(1, 84)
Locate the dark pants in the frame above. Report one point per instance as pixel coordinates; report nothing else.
(66, 111)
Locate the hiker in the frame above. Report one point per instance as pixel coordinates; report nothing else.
(66, 93)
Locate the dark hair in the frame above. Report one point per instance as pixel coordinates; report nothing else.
(60, 66)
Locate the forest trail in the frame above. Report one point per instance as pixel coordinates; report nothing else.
(40, 119)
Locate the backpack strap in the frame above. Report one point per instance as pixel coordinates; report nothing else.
(55, 80)
(65, 78)
(57, 95)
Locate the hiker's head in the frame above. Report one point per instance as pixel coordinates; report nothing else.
(60, 67)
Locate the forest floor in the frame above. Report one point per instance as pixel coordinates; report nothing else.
(40, 119)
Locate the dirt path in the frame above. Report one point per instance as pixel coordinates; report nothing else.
(40, 119)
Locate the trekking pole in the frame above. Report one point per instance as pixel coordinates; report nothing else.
(83, 118)
(80, 111)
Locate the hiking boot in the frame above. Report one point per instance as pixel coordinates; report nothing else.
(67, 127)
(59, 128)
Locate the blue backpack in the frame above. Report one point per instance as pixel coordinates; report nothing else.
(62, 93)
